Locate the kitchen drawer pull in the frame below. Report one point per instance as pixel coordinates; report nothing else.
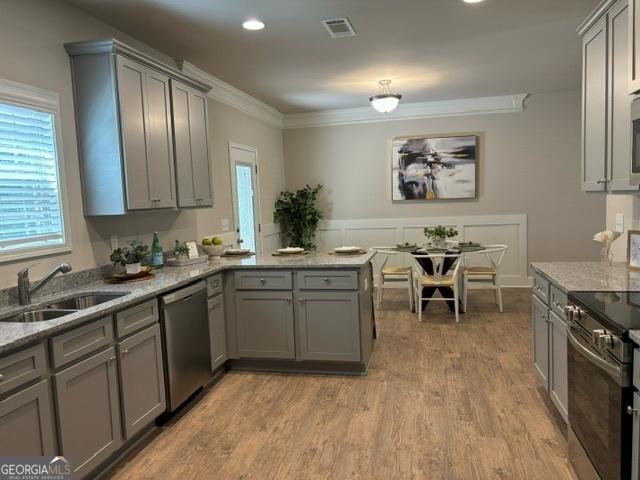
(326, 280)
(263, 281)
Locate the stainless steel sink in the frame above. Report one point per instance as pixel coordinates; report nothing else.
(83, 301)
(37, 316)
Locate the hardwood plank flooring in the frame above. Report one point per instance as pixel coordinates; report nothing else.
(441, 401)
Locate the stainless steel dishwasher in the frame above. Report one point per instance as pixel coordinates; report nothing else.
(185, 336)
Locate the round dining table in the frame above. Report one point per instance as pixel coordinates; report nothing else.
(427, 265)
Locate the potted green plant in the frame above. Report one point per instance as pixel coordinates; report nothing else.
(130, 256)
(439, 234)
(298, 216)
(181, 251)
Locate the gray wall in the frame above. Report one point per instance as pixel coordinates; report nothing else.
(32, 34)
(528, 163)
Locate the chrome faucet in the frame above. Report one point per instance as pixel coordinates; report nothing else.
(25, 290)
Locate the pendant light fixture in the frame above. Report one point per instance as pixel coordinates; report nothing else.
(386, 101)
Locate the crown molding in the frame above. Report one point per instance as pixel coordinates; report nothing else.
(600, 10)
(444, 108)
(229, 95)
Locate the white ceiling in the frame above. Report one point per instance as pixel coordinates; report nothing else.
(431, 49)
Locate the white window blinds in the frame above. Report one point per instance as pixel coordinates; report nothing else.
(30, 204)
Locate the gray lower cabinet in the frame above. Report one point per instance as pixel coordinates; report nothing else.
(191, 145)
(540, 318)
(26, 422)
(328, 326)
(635, 442)
(264, 321)
(550, 341)
(558, 386)
(141, 380)
(217, 331)
(89, 421)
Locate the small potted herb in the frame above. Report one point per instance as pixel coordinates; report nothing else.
(181, 251)
(130, 256)
(439, 234)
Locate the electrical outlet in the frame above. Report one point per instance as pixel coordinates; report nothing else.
(619, 222)
(114, 242)
(225, 224)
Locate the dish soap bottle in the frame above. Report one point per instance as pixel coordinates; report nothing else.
(157, 257)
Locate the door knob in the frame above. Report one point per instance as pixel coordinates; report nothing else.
(631, 410)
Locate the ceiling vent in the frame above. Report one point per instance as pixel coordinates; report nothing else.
(339, 27)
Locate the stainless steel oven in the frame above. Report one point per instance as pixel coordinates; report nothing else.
(634, 177)
(600, 389)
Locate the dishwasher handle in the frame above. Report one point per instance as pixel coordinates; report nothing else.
(184, 293)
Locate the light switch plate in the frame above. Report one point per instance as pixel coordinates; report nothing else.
(225, 224)
(619, 222)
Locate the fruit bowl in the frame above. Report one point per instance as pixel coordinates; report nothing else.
(213, 250)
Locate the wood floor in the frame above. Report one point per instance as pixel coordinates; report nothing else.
(441, 401)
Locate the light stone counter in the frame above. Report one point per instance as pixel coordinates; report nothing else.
(13, 335)
(589, 276)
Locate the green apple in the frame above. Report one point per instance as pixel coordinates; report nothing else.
(217, 241)
(206, 241)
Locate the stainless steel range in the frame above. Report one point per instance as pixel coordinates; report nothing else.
(599, 380)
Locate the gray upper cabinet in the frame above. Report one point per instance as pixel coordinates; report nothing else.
(619, 130)
(634, 46)
(265, 324)
(142, 379)
(125, 128)
(540, 318)
(594, 106)
(191, 143)
(89, 411)
(26, 423)
(217, 331)
(606, 104)
(328, 326)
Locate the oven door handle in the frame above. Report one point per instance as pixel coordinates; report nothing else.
(610, 368)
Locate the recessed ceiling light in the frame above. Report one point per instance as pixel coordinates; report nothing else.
(253, 24)
(472, 1)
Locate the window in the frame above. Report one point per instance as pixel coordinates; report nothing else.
(32, 220)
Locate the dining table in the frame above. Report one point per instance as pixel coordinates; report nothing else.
(427, 265)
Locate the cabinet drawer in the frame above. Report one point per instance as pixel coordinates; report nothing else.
(77, 343)
(136, 318)
(263, 280)
(557, 300)
(541, 287)
(214, 285)
(21, 367)
(326, 280)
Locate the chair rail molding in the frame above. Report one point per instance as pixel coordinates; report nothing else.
(405, 111)
(230, 95)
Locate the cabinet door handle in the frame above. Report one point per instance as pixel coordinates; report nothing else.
(288, 300)
(301, 300)
(631, 410)
(1, 377)
(125, 351)
(112, 358)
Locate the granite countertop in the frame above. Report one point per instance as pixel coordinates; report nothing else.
(589, 276)
(14, 334)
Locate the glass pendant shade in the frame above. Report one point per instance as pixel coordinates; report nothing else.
(386, 101)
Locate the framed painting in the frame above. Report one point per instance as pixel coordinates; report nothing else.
(434, 168)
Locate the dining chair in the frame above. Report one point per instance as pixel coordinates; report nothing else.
(388, 276)
(441, 277)
(485, 277)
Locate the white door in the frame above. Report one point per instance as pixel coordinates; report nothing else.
(244, 185)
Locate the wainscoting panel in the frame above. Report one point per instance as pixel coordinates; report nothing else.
(509, 230)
